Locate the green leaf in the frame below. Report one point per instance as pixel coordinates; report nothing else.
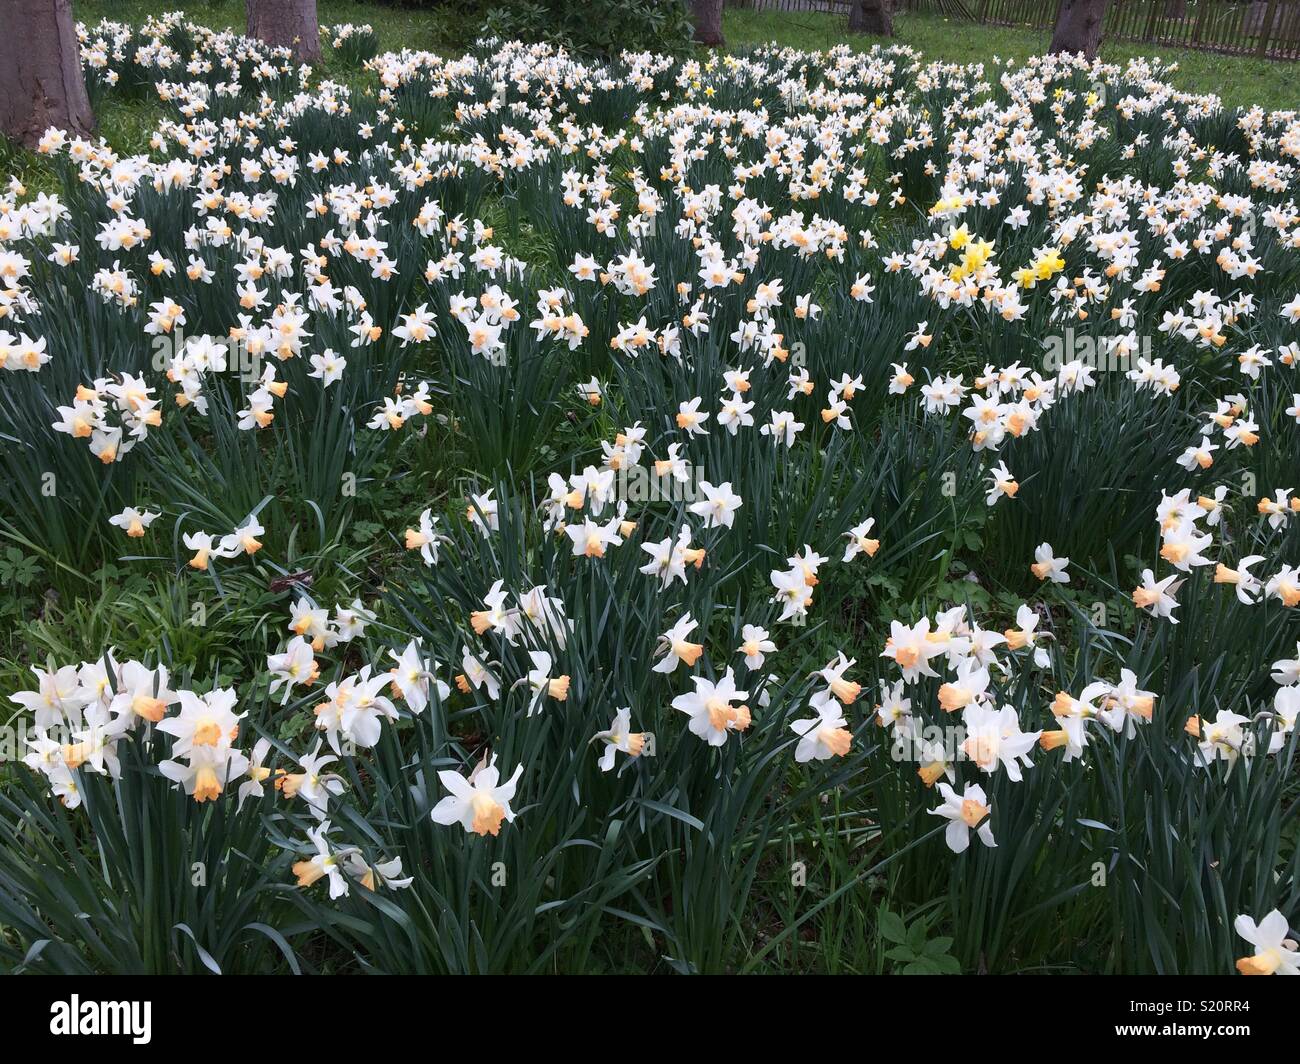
(892, 927)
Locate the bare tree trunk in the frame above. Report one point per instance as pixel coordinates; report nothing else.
(871, 16)
(291, 23)
(40, 71)
(1078, 26)
(1175, 8)
(707, 16)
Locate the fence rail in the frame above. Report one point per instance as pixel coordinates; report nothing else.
(1269, 29)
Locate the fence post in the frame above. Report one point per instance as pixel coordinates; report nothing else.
(1150, 32)
(1202, 13)
(1266, 30)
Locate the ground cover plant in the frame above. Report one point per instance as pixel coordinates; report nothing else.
(784, 511)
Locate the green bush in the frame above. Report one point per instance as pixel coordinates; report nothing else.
(599, 27)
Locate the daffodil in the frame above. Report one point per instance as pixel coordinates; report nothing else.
(822, 736)
(675, 649)
(712, 717)
(480, 803)
(619, 737)
(967, 812)
(1276, 952)
(1047, 566)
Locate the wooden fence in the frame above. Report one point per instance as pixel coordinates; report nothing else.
(834, 7)
(1266, 28)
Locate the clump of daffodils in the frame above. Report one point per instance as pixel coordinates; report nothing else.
(111, 415)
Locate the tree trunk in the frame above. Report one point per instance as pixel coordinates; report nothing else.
(1078, 26)
(291, 23)
(707, 16)
(871, 16)
(1175, 8)
(40, 71)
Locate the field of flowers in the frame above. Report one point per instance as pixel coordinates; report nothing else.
(790, 511)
